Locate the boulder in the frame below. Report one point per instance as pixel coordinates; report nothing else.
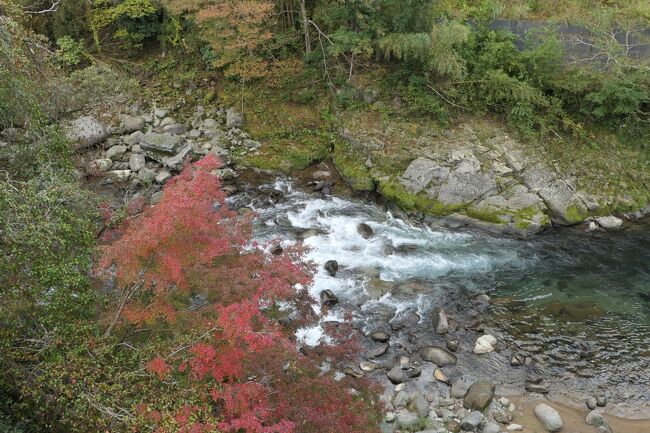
(595, 418)
(485, 344)
(396, 375)
(167, 121)
(591, 403)
(437, 355)
(610, 222)
(136, 161)
(479, 395)
(161, 113)
(99, 165)
(459, 388)
(163, 176)
(176, 162)
(86, 131)
(406, 419)
(549, 417)
(365, 230)
(327, 297)
(234, 119)
(118, 175)
(158, 144)
(251, 144)
(133, 123)
(331, 266)
(174, 129)
(471, 421)
(134, 138)
(116, 152)
(490, 427)
(147, 175)
(440, 321)
(380, 336)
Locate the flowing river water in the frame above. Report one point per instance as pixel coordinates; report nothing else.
(576, 303)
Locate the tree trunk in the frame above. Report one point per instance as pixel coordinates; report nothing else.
(305, 26)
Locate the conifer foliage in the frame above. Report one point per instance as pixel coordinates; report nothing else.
(243, 366)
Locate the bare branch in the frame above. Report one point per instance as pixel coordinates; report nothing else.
(53, 8)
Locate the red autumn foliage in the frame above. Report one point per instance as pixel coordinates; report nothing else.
(245, 367)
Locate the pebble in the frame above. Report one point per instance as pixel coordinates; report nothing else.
(406, 419)
(440, 376)
(490, 427)
(452, 345)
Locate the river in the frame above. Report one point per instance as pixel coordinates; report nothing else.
(576, 303)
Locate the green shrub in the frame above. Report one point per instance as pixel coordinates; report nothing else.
(71, 53)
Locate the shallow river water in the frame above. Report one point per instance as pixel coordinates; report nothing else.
(578, 303)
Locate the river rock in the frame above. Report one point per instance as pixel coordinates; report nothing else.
(549, 417)
(479, 395)
(610, 222)
(406, 419)
(601, 400)
(397, 375)
(537, 385)
(133, 123)
(490, 427)
(163, 176)
(234, 119)
(368, 366)
(595, 418)
(331, 266)
(380, 336)
(440, 321)
(517, 359)
(99, 165)
(136, 161)
(459, 388)
(365, 230)
(591, 403)
(161, 143)
(176, 162)
(86, 131)
(377, 351)
(175, 129)
(515, 427)
(440, 376)
(437, 355)
(118, 175)
(327, 297)
(471, 421)
(485, 344)
(147, 175)
(452, 345)
(116, 152)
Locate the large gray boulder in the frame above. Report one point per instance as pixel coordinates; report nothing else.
(437, 355)
(133, 123)
(549, 417)
(176, 162)
(234, 119)
(479, 395)
(86, 131)
(157, 144)
(471, 421)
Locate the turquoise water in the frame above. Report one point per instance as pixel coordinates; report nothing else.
(578, 303)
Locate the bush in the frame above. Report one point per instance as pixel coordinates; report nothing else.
(71, 53)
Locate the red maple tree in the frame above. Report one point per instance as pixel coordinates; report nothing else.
(244, 365)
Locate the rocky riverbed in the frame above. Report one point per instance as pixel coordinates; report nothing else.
(453, 345)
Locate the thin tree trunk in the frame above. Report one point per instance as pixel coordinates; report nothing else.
(305, 26)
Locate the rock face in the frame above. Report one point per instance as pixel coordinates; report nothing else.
(549, 417)
(437, 355)
(86, 131)
(479, 395)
